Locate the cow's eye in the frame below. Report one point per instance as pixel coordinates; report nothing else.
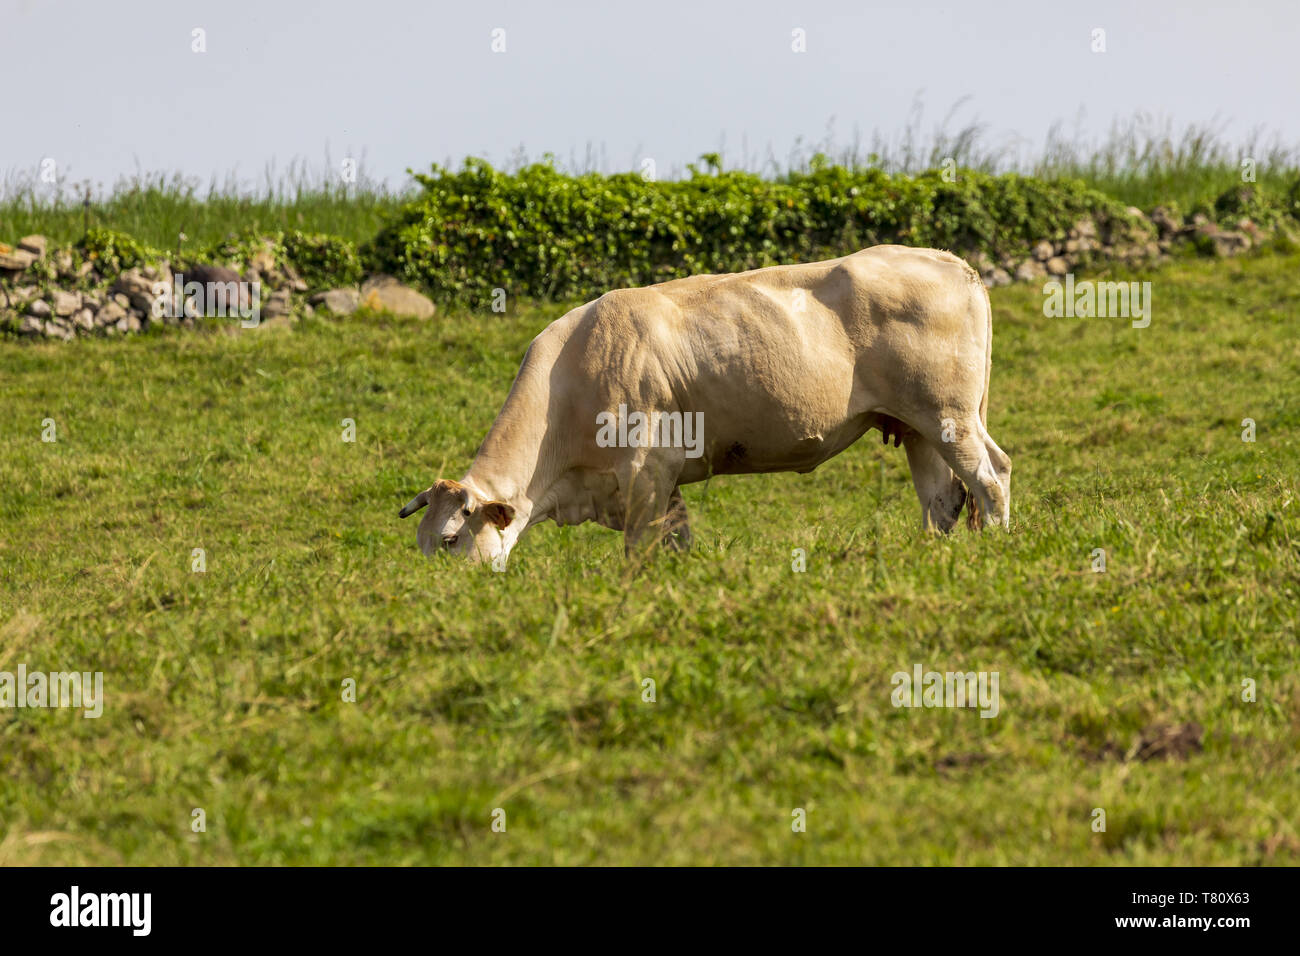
(465, 512)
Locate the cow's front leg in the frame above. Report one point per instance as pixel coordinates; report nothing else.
(941, 492)
(646, 486)
(677, 527)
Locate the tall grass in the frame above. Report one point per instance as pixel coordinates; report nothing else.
(156, 207)
(1144, 160)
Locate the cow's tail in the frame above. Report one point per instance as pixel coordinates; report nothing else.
(973, 517)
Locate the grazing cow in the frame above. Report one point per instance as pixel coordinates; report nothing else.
(623, 400)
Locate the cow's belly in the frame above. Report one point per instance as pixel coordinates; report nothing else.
(800, 404)
(750, 450)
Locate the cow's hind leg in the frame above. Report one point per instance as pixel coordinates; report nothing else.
(940, 491)
(986, 471)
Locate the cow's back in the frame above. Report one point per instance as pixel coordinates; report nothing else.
(789, 364)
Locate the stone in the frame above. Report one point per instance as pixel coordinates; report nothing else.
(997, 277)
(121, 300)
(36, 245)
(134, 282)
(58, 329)
(1029, 270)
(1057, 266)
(84, 319)
(143, 301)
(204, 274)
(338, 301)
(1166, 221)
(39, 308)
(109, 313)
(85, 269)
(16, 260)
(1228, 243)
(66, 303)
(208, 275)
(386, 294)
(1044, 251)
(1205, 229)
(1085, 229)
(31, 325)
(263, 260)
(276, 304)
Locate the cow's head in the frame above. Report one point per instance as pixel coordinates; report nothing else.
(460, 522)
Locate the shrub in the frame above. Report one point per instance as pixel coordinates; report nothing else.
(1249, 202)
(322, 261)
(113, 252)
(539, 232)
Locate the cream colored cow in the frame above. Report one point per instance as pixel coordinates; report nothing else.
(779, 369)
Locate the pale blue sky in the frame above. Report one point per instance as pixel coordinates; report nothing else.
(107, 89)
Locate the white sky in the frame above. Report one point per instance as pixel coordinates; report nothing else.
(107, 89)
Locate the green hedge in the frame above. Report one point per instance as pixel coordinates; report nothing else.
(322, 261)
(539, 232)
(113, 252)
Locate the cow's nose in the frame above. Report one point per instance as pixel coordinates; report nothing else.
(449, 540)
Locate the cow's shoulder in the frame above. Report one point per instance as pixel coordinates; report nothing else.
(633, 310)
(940, 264)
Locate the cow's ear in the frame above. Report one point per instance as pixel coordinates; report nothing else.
(499, 513)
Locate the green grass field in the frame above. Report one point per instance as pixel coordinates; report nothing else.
(522, 691)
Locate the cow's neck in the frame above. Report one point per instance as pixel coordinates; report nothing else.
(515, 461)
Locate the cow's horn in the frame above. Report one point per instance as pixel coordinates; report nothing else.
(414, 505)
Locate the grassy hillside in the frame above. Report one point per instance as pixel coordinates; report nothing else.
(523, 690)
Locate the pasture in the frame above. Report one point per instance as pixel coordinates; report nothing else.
(524, 690)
